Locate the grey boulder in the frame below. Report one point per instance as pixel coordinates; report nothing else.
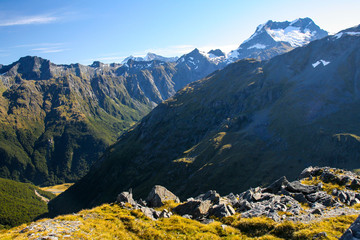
(159, 195)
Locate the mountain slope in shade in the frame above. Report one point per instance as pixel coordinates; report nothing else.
(274, 38)
(240, 127)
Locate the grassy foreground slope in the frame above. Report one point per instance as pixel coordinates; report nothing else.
(129, 220)
(19, 203)
(113, 222)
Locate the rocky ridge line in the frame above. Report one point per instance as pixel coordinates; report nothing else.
(318, 193)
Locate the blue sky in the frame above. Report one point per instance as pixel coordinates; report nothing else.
(71, 31)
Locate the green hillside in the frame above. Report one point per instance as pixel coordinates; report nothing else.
(19, 203)
(53, 126)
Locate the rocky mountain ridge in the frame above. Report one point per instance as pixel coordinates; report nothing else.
(250, 122)
(318, 193)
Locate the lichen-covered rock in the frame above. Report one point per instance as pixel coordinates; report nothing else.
(150, 213)
(165, 214)
(276, 186)
(321, 197)
(196, 208)
(211, 195)
(158, 195)
(328, 176)
(221, 210)
(126, 197)
(311, 172)
(355, 184)
(296, 186)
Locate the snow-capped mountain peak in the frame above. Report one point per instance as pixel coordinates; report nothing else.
(150, 57)
(131, 57)
(273, 37)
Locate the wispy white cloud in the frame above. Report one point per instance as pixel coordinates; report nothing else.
(39, 45)
(26, 20)
(48, 50)
(44, 47)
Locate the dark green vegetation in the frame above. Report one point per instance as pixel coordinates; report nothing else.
(19, 203)
(56, 120)
(241, 127)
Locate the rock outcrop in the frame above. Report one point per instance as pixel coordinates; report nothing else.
(159, 195)
(305, 199)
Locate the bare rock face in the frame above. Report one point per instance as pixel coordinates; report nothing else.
(126, 197)
(158, 195)
(353, 231)
(195, 208)
(221, 210)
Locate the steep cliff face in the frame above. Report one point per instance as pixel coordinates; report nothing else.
(243, 126)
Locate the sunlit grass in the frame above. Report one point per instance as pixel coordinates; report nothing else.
(110, 221)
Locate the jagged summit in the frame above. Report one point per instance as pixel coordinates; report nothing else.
(153, 56)
(30, 67)
(217, 53)
(273, 38)
(98, 64)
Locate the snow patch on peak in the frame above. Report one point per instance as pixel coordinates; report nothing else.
(258, 46)
(212, 57)
(316, 64)
(353, 33)
(319, 62)
(234, 54)
(324, 62)
(260, 27)
(292, 35)
(340, 34)
(131, 57)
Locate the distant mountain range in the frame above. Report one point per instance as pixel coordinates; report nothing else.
(150, 57)
(56, 120)
(240, 127)
(270, 39)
